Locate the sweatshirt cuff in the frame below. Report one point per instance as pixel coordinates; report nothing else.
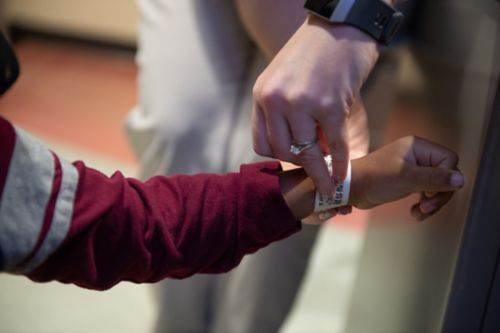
(264, 198)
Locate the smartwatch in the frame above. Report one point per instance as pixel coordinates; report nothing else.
(375, 17)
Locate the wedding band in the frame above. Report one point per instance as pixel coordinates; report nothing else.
(297, 148)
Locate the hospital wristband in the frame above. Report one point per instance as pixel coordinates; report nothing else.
(341, 196)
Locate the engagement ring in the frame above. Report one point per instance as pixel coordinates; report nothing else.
(298, 147)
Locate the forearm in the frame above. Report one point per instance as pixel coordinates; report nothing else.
(298, 191)
(271, 24)
(66, 222)
(168, 226)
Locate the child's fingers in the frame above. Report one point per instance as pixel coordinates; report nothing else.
(429, 153)
(432, 205)
(417, 214)
(427, 207)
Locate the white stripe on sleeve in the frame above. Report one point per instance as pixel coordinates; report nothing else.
(25, 197)
(61, 221)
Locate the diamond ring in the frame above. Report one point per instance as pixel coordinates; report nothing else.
(298, 147)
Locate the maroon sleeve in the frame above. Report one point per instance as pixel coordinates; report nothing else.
(123, 229)
(7, 141)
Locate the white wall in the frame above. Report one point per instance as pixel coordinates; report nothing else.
(104, 20)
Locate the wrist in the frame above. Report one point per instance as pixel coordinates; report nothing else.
(354, 194)
(340, 30)
(298, 191)
(346, 33)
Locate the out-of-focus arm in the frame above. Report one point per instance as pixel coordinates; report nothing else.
(271, 24)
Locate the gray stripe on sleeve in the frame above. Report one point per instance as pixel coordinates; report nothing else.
(63, 213)
(25, 196)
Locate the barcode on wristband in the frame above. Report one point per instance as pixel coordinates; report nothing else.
(341, 197)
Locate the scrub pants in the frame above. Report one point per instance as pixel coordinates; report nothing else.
(197, 67)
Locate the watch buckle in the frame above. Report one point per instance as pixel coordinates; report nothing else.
(392, 27)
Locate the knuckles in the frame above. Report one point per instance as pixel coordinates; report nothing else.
(409, 140)
(276, 97)
(271, 97)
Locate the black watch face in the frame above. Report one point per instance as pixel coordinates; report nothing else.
(9, 67)
(330, 7)
(324, 8)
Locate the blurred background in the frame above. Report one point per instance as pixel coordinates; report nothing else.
(78, 82)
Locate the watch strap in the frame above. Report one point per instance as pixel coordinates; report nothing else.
(375, 17)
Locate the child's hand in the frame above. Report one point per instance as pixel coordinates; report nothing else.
(406, 166)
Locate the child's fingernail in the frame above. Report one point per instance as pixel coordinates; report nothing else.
(428, 208)
(457, 180)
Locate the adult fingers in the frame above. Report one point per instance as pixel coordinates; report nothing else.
(336, 132)
(303, 129)
(278, 135)
(261, 145)
(427, 207)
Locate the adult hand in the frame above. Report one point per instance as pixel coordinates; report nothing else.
(312, 83)
(300, 199)
(408, 165)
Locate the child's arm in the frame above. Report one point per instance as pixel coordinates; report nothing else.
(408, 165)
(63, 221)
(66, 222)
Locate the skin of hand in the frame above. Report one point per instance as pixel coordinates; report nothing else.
(312, 83)
(271, 26)
(408, 165)
(357, 131)
(306, 71)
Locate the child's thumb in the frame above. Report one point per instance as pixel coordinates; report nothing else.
(435, 179)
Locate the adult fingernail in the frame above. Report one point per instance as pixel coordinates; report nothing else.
(457, 180)
(336, 180)
(345, 210)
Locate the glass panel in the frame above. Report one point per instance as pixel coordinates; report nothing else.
(406, 267)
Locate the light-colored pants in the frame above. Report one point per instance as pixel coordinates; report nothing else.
(197, 67)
